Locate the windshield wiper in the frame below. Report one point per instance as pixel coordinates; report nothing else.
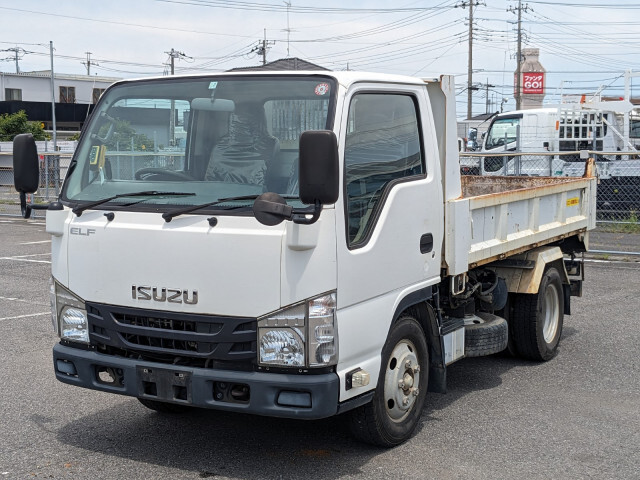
(180, 211)
(149, 193)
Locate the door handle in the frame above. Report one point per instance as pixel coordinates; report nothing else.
(426, 243)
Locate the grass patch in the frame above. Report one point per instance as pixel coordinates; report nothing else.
(625, 224)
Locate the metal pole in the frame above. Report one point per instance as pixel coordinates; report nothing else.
(518, 165)
(46, 174)
(627, 97)
(172, 124)
(53, 121)
(264, 48)
(519, 56)
(53, 99)
(470, 64)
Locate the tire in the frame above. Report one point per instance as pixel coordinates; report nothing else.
(488, 336)
(394, 412)
(164, 407)
(536, 319)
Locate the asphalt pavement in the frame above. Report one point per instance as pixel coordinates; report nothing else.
(576, 416)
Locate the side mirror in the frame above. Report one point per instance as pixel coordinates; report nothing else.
(319, 167)
(26, 170)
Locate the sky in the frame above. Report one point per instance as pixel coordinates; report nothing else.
(584, 45)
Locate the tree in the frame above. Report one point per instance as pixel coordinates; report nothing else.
(17, 123)
(120, 134)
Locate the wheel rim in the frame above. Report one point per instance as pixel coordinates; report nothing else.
(551, 313)
(401, 381)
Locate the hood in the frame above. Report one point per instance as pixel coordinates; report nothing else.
(141, 261)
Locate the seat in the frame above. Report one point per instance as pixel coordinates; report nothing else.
(244, 154)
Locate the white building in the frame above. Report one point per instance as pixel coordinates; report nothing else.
(31, 92)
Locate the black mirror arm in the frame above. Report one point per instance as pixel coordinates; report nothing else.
(27, 208)
(301, 218)
(280, 209)
(271, 209)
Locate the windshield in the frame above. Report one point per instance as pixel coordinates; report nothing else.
(500, 130)
(202, 139)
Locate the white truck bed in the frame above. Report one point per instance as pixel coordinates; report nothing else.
(500, 216)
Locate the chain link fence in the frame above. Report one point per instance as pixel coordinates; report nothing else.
(618, 198)
(53, 169)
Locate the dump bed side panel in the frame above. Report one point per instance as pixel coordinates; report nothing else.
(504, 222)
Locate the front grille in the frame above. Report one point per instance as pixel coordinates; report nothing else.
(172, 337)
(169, 323)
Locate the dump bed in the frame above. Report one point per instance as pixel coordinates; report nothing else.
(500, 216)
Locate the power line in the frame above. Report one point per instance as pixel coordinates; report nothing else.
(588, 5)
(264, 7)
(126, 24)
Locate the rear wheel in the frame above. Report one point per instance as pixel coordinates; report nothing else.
(164, 407)
(393, 414)
(536, 319)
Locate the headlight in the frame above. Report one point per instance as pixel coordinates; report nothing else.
(71, 315)
(304, 335)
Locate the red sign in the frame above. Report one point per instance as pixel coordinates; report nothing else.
(532, 83)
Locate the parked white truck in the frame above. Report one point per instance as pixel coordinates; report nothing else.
(551, 140)
(300, 245)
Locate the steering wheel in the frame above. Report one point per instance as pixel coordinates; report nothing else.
(153, 173)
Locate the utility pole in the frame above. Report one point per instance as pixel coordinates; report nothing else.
(17, 66)
(470, 88)
(488, 102)
(518, 89)
(16, 52)
(88, 63)
(173, 54)
(263, 46)
(288, 4)
(470, 64)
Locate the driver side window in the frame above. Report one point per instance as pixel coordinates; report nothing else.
(382, 148)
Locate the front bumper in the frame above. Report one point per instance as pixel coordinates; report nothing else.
(270, 394)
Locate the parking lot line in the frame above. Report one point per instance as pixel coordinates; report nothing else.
(22, 300)
(22, 258)
(25, 316)
(35, 243)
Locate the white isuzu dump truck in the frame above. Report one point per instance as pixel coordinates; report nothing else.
(300, 245)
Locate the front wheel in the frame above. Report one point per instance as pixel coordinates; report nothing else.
(393, 414)
(536, 319)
